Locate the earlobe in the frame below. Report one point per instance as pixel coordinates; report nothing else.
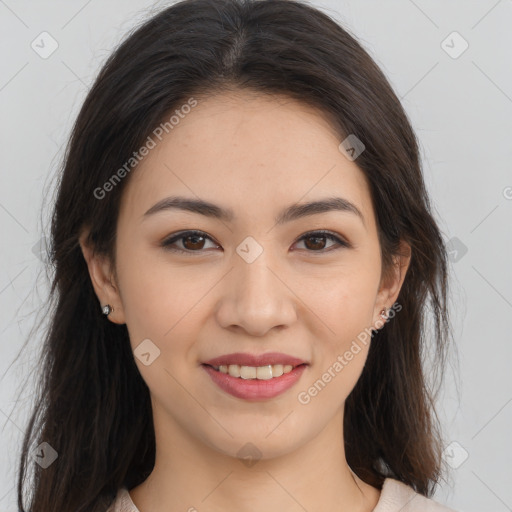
(101, 275)
(106, 310)
(390, 290)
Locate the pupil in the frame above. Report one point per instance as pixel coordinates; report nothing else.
(194, 237)
(315, 245)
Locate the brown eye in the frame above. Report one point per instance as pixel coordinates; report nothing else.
(191, 241)
(316, 241)
(194, 242)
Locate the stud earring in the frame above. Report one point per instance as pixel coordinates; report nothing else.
(107, 309)
(383, 313)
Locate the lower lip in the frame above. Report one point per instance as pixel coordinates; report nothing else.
(255, 389)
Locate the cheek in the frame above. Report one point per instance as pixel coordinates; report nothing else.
(341, 355)
(346, 307)
(345, 302)
(163, 304)
(145, 302)
(152, 301)
(144, 285)
(160, 318)
(338, 367)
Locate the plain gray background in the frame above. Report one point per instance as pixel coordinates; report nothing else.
(460, 104)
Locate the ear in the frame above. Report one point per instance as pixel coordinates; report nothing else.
(391, 283)
(103, 282)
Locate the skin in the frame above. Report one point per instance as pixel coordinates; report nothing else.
(256, 155)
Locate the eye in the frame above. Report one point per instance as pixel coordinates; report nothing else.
(193, 241)
(318, 245)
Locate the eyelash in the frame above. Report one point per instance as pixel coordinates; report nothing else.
(166, 244)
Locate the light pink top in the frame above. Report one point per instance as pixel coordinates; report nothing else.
(395, 496)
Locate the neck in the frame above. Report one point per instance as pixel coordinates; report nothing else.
(189, 475)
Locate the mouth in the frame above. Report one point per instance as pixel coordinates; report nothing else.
(255, 383)
(265, 372)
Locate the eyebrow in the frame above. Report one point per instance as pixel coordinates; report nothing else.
(291, 213)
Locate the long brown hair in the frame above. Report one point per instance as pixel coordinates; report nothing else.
(93, 408)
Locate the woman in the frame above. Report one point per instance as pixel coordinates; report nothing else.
(244, 254)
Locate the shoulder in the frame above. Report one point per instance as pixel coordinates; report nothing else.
(122, 502)
(396, 496)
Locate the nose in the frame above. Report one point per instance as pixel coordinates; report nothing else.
(256, 298)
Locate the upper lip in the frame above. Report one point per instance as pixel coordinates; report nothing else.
(255, 360)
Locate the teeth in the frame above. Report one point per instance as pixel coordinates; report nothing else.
(252, 372)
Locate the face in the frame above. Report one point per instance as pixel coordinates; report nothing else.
(253, 282)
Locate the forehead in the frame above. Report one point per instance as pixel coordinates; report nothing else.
(251, 153)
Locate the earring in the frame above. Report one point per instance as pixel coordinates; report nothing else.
(107, 309)
(383, 313)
